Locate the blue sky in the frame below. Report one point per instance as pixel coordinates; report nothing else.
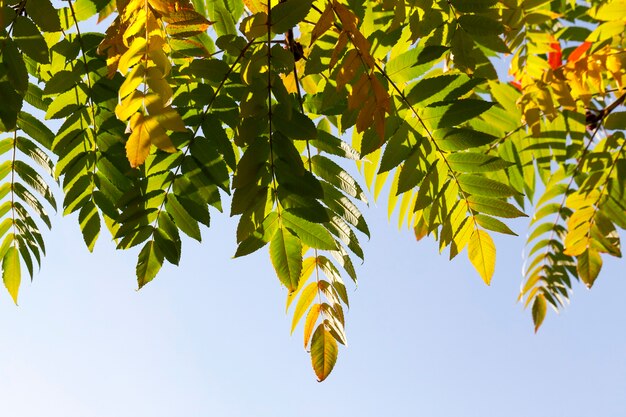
(211, 338)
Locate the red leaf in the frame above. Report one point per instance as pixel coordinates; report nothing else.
(555, 56)
(579, 52)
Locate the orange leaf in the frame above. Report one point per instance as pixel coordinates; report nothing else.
(324, 23)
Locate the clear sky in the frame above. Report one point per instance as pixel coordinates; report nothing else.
(211, 338)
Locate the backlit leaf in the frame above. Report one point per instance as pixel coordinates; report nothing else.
(482, 254)
(11, 274)
(324, 352)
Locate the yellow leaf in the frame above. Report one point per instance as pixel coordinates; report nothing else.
(482, 254)
(138, 144)
(159, 85)
(157, 134)
(309, 322)
(160, 59)
(256, 6)
(134, 53)
(11, 274)
(308, 266)
(129, 106)
(132, 81)
(138, 25)
(306, 298)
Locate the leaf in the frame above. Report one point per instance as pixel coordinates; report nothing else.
(149, 263)
(307, 296)
(478, 185)
(459, 139)
(539, 310)
(588, 266)
(324, 352)
(285, 15)
(11, 274)
(35, 129)
(89, 220)
(480, 25)
(185, 23)
(311, 234)
(494, 206)
(182, 218)
(286, 256)
(309, 322)
(471, 162)
(472, 6)
(15, 66)
(292, 123)
(337, 176)
(44, 15)
(29, 40)
(493, 224)
(448, 114)
(482, 254)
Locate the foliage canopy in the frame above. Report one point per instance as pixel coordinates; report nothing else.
(181, 102)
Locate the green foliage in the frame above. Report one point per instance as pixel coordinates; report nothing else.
(179, 103)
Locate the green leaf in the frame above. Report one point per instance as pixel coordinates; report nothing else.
(35, 129)
(149, 263)
(588, 266)
(35, 180)
(472, 6)
(286, 257)
(324, 352)
(167, 238)
(482, 254)
(15, 66)
(61, 82)
(29, 40)
(476, 162)
(182, 218)
(12, 104)
(288, 14)
(44, 15)
(337, 176)
(292, 123)
(453, 113)
(459, 139)
(478, 185)
(494, 206)
(539, 311)
(331, 144)
(480, 25)
(260, 237)
(444, 87)
(35, 153)
(89, 221)
(11, 274)
(311, 234)
(493, 224)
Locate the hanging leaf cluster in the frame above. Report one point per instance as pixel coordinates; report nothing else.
(180, 107)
